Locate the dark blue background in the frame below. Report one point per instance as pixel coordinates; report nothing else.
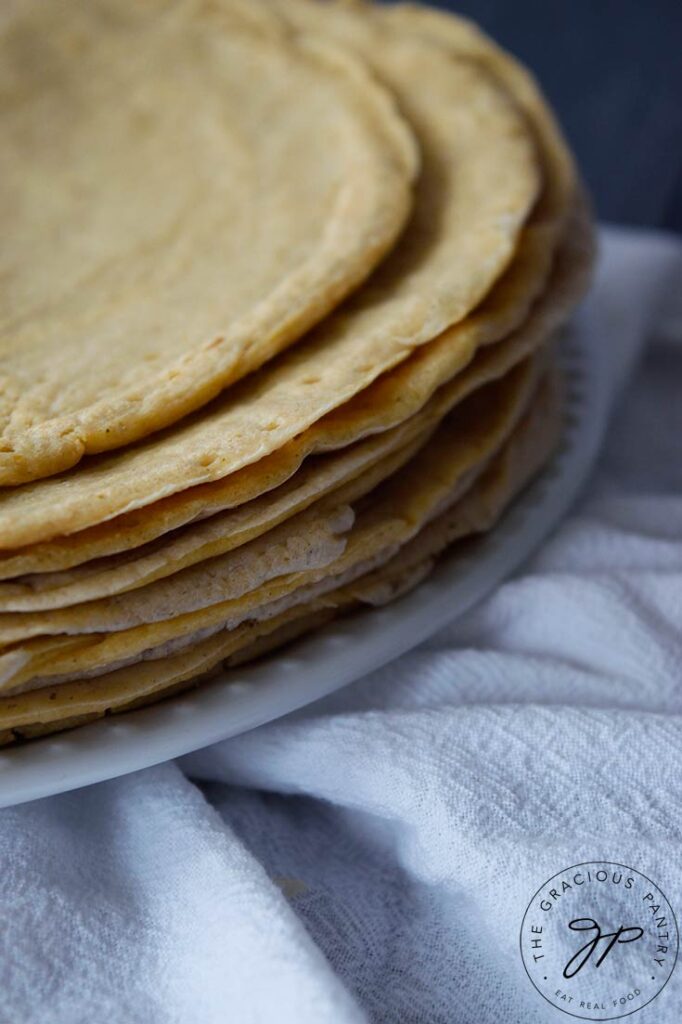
(613, 72)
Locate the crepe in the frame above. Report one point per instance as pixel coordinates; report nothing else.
(153, 251)
(73, 703)
(409, 395)
(395, 396)
(479, 180)
(337, 472)
(218, 534)
(174, 610)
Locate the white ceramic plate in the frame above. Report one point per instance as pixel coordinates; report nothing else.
(247, 697)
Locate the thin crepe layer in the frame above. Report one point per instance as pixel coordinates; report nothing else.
(70, 704)
(479, 181)
(153, 252)
(223, 532)
(392, 400)
(173, 611)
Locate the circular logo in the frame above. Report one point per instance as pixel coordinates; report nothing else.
(599, 940)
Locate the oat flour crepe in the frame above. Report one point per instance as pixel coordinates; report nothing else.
(181, 197)
(73, 703)
(229, 530)
(219, 533)
(175, 609)
(392, 398)
(480, 177)
(408, 397)
(258, 493)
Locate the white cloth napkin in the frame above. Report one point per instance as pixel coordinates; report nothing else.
(370, 858)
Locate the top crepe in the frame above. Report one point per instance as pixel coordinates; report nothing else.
(479, 181)
(182, 194)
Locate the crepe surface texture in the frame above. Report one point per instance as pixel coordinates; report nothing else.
(478, 181)
(153, 251)
(279, 327)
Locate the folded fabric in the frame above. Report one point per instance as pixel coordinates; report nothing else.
(371, 857)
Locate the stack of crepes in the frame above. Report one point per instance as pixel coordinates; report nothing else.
(279, 280)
